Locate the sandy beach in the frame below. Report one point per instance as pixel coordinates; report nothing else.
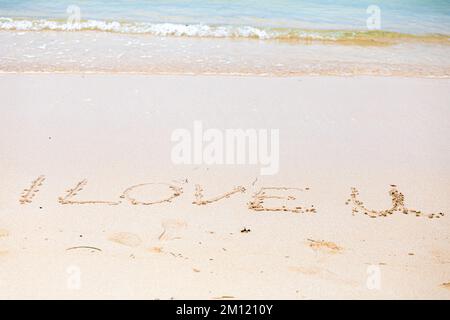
(73, 145)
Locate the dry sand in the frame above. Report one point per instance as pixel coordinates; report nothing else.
(76, 143)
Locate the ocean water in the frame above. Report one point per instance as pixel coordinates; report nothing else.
(286, 37)
(227, 16)
(406, 16)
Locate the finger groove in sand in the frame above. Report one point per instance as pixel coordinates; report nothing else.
(199, 197)
(28, 194)
(84, 247)
(176, 191)
(171, 228)
(71, 193)
(258, 200)
(398, 205)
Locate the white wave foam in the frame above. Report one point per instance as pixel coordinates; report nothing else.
(159, 29)
(204, 30)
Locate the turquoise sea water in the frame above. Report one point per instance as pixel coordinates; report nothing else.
(405, 16)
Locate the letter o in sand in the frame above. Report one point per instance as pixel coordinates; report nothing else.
(176, 191)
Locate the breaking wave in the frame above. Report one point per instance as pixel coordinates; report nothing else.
(219, 31)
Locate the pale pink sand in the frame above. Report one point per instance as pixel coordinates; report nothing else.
(114, 131)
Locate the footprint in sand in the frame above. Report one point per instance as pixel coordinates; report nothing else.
(324, 246)
(172, 229)
(126, 238)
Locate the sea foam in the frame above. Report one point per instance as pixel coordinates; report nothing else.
(221, 31)
(158, 29)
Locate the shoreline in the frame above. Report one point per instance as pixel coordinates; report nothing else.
(102, 52)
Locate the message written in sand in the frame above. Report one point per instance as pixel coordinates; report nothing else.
(398, 205)
(257, 202)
